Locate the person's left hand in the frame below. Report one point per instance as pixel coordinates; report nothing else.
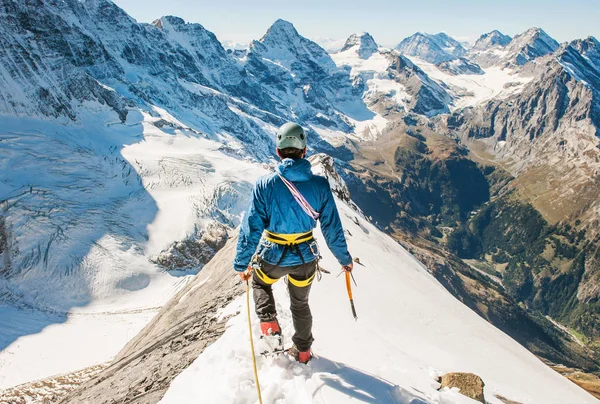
(247, 274)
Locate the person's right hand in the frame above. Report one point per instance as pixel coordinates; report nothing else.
(348, 268)
(247, 274)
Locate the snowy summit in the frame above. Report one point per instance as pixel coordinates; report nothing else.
(363, 43)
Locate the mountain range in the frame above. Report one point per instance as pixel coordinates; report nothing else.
(128, 151)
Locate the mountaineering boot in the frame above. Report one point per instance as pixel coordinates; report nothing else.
(300, 356)
(268, 328)
(271, 336)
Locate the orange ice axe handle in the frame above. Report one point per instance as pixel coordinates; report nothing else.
(349, 288)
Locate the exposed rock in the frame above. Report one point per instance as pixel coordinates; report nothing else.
(49, 390)
(323, 165)
(470, 385)
(195, 251)
(407, 88)
(460, 66)
(506, 400)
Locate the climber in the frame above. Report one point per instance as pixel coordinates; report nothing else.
(276, 238)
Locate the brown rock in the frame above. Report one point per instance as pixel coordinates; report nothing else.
(470, 385)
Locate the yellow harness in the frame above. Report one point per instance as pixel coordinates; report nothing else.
(287, 240)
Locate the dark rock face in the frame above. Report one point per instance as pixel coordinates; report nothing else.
(429, 97)
(195, 251)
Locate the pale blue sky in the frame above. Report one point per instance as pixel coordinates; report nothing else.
(387, 20)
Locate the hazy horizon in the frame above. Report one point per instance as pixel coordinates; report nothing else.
(387, 21)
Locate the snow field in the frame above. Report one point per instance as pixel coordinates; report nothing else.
(473, 89)
(187, 180)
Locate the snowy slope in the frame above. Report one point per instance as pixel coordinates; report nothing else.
(474, 89)
(391, 83)
(165, 184)
(409, 330)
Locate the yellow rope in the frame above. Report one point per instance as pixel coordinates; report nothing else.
(252, 342)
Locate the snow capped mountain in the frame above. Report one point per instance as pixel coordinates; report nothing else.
(491, 39)
(364, 42)
(523, 48)
(283, 44)
(589, 48)
(433, 48)
(128, 151)
(392, 83)
(531, 44)
(204, 47)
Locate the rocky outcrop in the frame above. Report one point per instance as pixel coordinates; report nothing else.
(460, 66)
(144, 369)
(195, 251)
(470, 385)
(4, 248)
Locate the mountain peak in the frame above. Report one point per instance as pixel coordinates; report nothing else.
(168, 19)
(434, 48)
(533, 43)
(491, 39)
(284, 44)
(533, 34)
(281, 29)
(364, 43)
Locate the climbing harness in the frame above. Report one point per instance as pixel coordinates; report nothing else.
(252, 343)
(290, 242)
(288, 239)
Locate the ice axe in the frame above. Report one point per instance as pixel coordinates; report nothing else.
(349, 288)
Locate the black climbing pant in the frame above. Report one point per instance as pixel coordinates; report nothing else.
(301, 315)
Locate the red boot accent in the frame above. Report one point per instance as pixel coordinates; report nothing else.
(270, 328)
(304, 357)
(300, 356)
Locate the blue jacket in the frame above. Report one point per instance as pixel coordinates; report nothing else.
(272, 207)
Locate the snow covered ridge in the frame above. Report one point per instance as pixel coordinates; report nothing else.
(414, 328)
